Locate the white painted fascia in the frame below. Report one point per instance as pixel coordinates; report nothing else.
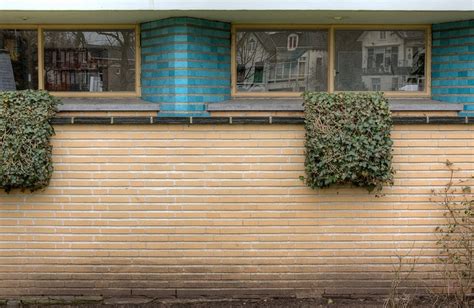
(210, 5)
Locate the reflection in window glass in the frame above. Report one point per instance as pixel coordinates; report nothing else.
(291, 61)
(18, 59)
(90, 61)
(380, 60)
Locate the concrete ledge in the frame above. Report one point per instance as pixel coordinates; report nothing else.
(236, 120)
(422, 104)
(256, 104)
(238, 105)
(106, 104)
(296, 104)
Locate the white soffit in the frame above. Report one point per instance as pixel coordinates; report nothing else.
(171, 5)
(272, 17)
(236, 11)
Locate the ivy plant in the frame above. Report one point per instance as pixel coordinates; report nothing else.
(347, 140)
(25, 131)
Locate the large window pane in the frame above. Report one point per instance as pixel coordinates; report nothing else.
(290, 61)
(387, 60)
(18, 59)
(90, 61)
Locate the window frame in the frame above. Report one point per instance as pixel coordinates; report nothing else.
(41, 28)
(331, 73)
(292, 38)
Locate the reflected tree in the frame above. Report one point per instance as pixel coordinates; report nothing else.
(113, 53)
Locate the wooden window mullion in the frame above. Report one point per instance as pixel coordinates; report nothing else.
(40, 59)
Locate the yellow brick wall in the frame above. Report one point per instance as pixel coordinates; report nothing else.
(175, 210)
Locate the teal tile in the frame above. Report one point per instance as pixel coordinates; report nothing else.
(453, 66)
(452, 82)
(454, 99)
(469, 107)
(465, 90)
(452, 74)
(453, 33)
(453, 41)
(453, 24)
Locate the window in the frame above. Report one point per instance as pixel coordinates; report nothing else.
(18, 59)
(281, 61)
(252, 44)
(363, 58)
(302, 66)
(380, 58)
(75, 61)
(394, 83)
(292, 41)
(241, 73)
(375, 84)
(258, 75)
(89, 61)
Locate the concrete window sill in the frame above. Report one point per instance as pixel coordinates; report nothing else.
(106, 105)
(296, 105)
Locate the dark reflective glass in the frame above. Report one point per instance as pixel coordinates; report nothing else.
(90, 61)
(18, 59)
(386, 60)
(276, 61)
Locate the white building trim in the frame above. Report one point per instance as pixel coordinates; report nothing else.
(172, 5)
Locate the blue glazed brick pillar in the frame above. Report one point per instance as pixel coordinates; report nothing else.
(453, 64)
(185, 64)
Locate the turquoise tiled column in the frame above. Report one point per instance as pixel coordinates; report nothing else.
(185, 64)
(453, 64)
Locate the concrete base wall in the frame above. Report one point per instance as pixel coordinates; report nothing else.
(218, 210)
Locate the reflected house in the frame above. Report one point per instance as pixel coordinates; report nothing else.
(89, 61)
(282, 61)
(93, 68)
(76, 69)
(393, 60)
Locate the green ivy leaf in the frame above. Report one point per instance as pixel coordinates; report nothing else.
(348, 140)
(25, 131)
